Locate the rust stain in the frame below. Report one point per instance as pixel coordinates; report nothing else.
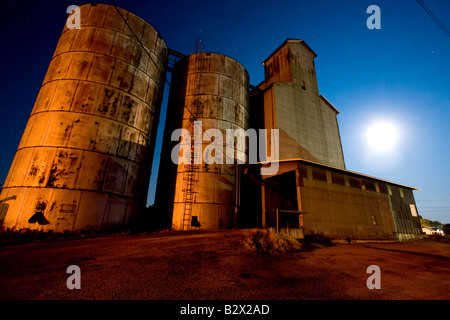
(109, 93)
(128, 108)
(104, 107)
(33, 171)
(41, 205)
(42, 179)
(53, 206)
(53, 176)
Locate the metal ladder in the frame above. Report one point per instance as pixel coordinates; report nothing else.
(192, 169)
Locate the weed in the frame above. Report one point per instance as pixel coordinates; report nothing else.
(270, 243)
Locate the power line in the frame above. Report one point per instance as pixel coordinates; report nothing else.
(433, 16)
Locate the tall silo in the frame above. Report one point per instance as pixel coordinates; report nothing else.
(212, 89)
(85, 156)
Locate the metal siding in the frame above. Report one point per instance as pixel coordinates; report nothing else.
(221, 102)
(86, 149)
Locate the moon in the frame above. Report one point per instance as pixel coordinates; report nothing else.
(382, 136)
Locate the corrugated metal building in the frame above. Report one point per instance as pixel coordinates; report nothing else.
(337, 203)
(312, 189)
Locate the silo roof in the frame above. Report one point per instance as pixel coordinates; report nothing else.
(290, 40)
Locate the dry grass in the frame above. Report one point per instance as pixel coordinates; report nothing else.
(270, 243)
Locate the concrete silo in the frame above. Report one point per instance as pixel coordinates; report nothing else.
(212, 89)
(85, 156)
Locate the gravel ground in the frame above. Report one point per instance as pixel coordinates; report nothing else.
(216, 266)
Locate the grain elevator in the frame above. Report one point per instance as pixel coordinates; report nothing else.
(85, 157)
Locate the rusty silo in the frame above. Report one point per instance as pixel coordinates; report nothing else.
(212, 89)
(85, 156)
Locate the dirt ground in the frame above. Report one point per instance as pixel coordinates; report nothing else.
(216, 266)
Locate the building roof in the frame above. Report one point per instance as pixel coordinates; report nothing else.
(290, 40)
(318, 164)
(329, 103)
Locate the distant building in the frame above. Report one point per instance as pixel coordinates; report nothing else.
(430, 231)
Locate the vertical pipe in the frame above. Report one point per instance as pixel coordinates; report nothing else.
(299, 197)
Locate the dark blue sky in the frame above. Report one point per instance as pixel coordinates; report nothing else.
(399, 73)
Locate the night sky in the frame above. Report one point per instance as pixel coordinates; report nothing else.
(397, 74)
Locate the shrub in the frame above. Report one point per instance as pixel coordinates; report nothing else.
(269, 242)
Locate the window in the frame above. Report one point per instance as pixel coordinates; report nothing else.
(383, 188)
(319, 174)
(413, 210)
(302, 84)
(338, 178)
(370, 186)
(356, 183)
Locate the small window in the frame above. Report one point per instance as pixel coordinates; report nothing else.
(319, 174)
(370, 186)
(413, 210)
(383, 188)
(302, 84)
(356, 183)
(338, 178)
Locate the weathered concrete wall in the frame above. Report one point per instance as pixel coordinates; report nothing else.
(85, 155)
(307, 123)
(343, 205)
(213, 89)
